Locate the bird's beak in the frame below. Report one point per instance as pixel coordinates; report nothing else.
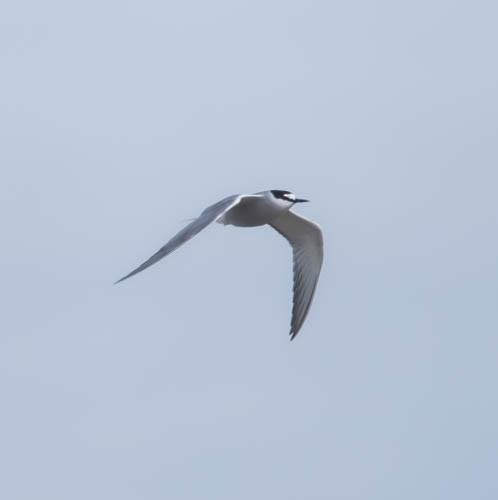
(300, 200)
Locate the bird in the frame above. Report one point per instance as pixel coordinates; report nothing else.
(271, 207)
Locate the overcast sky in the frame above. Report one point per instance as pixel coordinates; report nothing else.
(119, 121)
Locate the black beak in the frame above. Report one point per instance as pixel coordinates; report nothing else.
(300, 200)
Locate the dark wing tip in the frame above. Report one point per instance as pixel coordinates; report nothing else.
(129, 275)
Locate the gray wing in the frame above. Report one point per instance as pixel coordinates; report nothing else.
(209, 215)
(306, 240)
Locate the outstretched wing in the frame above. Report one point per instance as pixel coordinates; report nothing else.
(306, 240)
(210, 214)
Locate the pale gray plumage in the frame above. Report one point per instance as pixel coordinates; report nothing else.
(266, 207)
(306, 240)
(210, 214)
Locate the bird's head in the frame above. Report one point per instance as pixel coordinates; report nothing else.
(286, 196)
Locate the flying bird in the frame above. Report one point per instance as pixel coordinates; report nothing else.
(250, 210)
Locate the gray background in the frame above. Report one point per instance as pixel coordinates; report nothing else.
(118, 121)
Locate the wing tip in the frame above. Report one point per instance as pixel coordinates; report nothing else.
(124, 278)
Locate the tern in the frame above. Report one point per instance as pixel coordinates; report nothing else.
(250, 210)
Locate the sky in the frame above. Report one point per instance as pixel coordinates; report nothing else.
(121, 120)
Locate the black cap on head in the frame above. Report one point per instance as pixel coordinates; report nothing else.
(280, 194)
(287, 196)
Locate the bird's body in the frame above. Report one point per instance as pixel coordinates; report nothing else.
(254, 210)
(251, 210)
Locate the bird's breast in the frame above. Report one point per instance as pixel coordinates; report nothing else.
(251, 213)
